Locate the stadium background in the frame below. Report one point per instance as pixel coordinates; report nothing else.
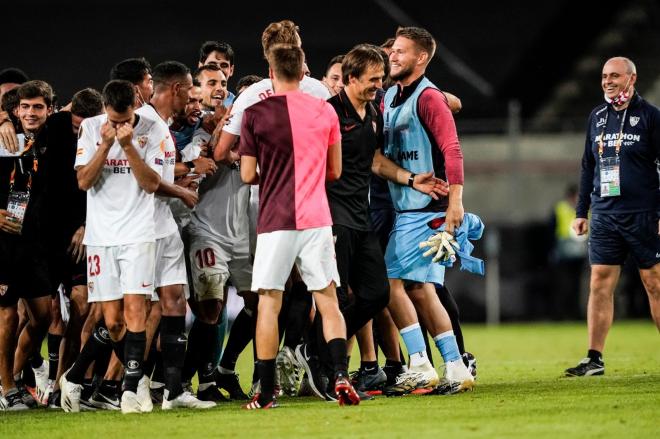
(527, 74)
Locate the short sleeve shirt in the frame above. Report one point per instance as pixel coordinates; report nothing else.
(264, 89)
(119, 212)
(289, 134)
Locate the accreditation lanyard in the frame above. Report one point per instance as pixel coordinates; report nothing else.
(610, 167)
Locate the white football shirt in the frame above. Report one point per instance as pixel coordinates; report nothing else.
(263, 89)
(165, 224)
(119, 212)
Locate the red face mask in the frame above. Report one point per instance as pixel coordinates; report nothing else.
(622, 97)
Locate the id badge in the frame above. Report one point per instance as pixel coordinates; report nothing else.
(16, 206)
(610, 182)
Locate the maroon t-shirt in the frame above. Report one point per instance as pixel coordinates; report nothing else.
(289, 134)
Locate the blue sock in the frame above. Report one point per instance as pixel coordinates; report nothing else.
(413, 339)
(446, 343)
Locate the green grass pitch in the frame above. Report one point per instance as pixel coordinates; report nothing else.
(520, 394)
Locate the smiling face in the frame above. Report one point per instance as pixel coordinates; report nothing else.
(404, 57)
(33, 113)
(365, 87)
(332, 78)
(616, 78)
(214, 88)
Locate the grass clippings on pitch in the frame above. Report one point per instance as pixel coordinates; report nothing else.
(520, 394)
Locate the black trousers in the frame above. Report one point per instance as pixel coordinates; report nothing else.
(362, 268)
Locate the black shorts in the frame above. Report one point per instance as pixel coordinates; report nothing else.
(612, 237)
(23, 270)
(360, 265)
(64, 270)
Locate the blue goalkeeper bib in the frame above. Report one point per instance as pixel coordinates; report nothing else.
(407, 145)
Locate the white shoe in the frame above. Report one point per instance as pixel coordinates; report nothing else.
(41, 379)
(130, 403)
(423, 377)
(457, 378)
(44, 394)
(185, 400)
(70, 398)
(288, 370)
(144, 395)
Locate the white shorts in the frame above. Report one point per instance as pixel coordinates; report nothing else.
(213, 263)
(115, 271)
(170, 263)
(311, 250)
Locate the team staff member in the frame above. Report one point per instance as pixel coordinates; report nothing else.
(619, 182)
(23, 264)
(359, 258)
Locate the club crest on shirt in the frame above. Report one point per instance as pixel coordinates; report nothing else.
(634, 120)
(3, 289)
(90, 286)
(142, 140)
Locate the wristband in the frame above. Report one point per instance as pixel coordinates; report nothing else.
(190, 165)
(411, 179)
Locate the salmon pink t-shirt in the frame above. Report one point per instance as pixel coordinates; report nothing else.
(289, 134)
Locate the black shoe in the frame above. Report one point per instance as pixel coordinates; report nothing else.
(369, 381)
(106, 397)
(586, 367)
(211, 393)
(25, 396)
(392, 372)
(471, 363)
(231, 383)
(157, 394)
(15, 401)
(54, 400)
(88, 389)
(312, 369)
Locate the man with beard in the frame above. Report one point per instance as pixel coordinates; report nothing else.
(420, 135)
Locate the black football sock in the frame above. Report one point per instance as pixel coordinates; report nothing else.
(370, 367)
(450, 305)
(266, 372)
(241, 334)
(209, 341)
(337, 351)
(53, 355)
(134, 346)
(173, 349)
(191, 362)
(150, 362)
(36, 359)
(119, 348)
(97, 343)
(298, 316)
(595, 356)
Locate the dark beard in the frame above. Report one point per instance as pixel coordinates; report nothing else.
(403, 74)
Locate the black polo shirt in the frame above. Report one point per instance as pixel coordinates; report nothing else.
(349, 196)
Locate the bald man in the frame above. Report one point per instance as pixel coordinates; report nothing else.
(619, 184)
